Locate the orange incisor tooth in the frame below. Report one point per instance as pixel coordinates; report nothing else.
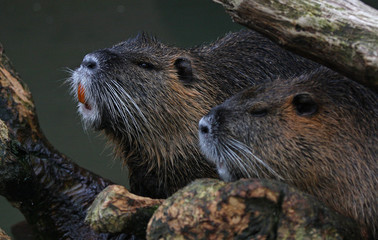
(81, 94)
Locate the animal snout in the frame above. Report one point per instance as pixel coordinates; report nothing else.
(90, 61)
(100, 60)
(204, 126)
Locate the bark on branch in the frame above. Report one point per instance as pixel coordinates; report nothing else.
(246, 209)
(116, 210)
(3, 235)
(341, 34)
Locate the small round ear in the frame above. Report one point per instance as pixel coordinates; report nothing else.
(304, 104)
(184, 69)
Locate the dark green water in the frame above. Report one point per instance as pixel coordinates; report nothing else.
(42, 38)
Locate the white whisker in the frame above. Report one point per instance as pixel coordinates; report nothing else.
(118, 109)
(239, 156)
(252, 165)
(239, 163)
(123, 92)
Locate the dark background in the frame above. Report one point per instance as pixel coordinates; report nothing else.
(43, 38)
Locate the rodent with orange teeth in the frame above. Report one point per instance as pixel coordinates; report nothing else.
(148, 97)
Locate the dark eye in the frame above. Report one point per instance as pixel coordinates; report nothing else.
(305, 104)
(259, 112)
(146, 65)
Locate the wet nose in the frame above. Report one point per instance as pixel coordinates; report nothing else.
(90, 62)
(204, 126)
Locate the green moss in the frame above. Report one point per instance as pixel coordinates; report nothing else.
(297, 9)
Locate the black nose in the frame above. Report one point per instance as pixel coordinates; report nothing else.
(90, 61)
(204, 126)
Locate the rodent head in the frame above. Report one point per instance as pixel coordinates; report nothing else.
(296, 130)
(317, 132)
(145, 95)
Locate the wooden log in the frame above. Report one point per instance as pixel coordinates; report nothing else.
(247, 209)
(341, 34)
(116, 210)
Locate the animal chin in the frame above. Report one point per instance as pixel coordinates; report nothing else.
(86, 106)
(209, 150)
(89, 115)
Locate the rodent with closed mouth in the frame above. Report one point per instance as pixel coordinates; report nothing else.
(317, 132)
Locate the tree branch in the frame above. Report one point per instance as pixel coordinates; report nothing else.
(341, 34)
(246, 209)
(3, 235)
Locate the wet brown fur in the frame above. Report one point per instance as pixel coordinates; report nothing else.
(173, 91)
(330, 153)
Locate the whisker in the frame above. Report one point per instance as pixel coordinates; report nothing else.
(247, 153)
(249, 164)
(123, 92)
(117, 108)
(117, 93)
(241, 165)
(67, 70)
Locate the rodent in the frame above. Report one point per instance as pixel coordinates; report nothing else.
(147, 97)
(317, 132)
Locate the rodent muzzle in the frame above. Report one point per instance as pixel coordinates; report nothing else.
(90, 62)
(100, 60)
(204, 126)
(207, 138)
